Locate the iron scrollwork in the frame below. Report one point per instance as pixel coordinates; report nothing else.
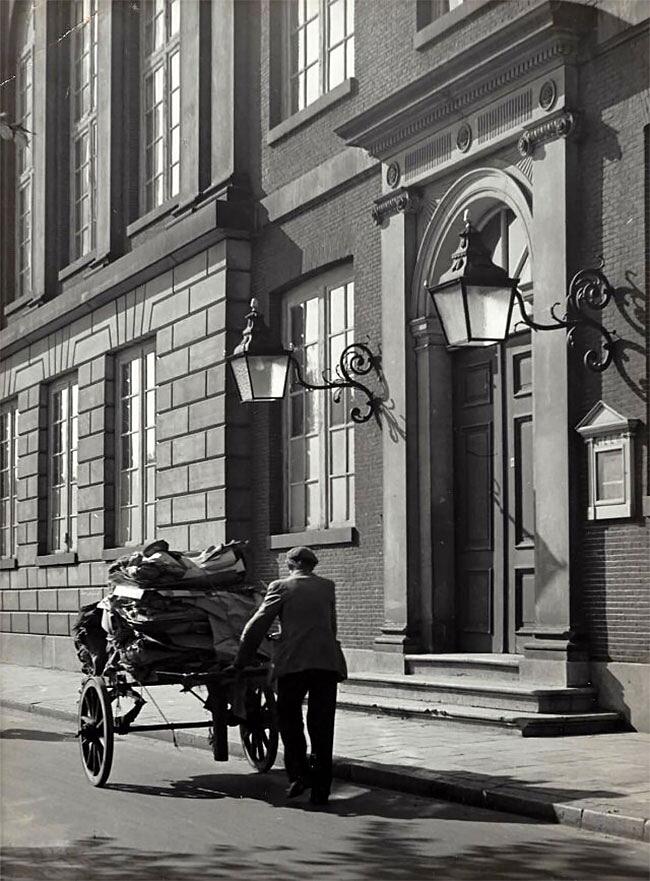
(589, 289)
(356, 360)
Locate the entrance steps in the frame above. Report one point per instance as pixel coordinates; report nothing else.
(477, 690)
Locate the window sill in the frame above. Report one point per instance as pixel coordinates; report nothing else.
(8, 563)
(109, 554)
(76, 265)
(342, 535)
(18, 304)
(324, 102)
(446, 22)
(63, 559)
(151, 217)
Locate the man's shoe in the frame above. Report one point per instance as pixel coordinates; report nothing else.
(297, 787)
(318, 799)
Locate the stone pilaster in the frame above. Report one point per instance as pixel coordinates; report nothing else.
(435, 486)
(553, 653)
(401, 593)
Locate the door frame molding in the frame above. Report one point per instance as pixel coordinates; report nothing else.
(435, 561)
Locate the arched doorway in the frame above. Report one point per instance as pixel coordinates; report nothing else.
(491, 432)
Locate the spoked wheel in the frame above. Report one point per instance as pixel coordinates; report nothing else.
(96, 731)
(259, 733)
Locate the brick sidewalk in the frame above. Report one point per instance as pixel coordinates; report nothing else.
(597, 782)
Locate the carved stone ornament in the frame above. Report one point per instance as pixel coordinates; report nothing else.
(393, 175)
(464, 137)
(402, 200)
(548, 95)
(560, 126)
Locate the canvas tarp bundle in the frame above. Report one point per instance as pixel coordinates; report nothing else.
(154, 621)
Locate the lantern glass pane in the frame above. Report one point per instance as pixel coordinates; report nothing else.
(242, 378)
(268, 374)
(451, 311)
(489, 313)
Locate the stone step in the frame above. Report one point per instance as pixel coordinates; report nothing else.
(477, 666)
(469, 692)
(491, 719)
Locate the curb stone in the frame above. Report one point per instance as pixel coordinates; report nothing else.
(418, 781)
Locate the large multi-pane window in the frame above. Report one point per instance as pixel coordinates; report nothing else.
(8, 479)
(83, 125)
(161, 101)
(62, 475)
(24, 157)
(319, 469)
(136, 445)
(320, 48)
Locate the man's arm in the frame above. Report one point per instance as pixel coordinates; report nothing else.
(256, 628)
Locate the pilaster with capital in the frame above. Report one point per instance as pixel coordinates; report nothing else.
(400, 498)
(435, 485)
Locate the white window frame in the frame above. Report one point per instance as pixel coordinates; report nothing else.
(9, 476)
(69, 438)
(323, 404)
(24, 161)
(142, 469)
(606, 431)
(161, 58)
(298, 16)
(83, 127)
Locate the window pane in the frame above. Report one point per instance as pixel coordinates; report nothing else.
(311, 320)
(312, 365)
(297, 507)
(312, 506)
(312, 89)
(297, 410)
(349, 59)
(312, 457)
(312, 411)
(339, 500)
(297, 326)
(336, 66)
(336, 23)
(338, 453)
(297, 461)
(349, 9)
(337, 310)
(610, 475)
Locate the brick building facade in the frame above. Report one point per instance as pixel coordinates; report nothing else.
(182, 157)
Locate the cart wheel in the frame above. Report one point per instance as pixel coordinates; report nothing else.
(259, 733)
(96, 730)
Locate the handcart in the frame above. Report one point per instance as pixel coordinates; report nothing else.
(243, 698)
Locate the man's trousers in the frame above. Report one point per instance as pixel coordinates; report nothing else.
(320, 688)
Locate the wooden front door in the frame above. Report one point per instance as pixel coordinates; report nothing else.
(493, 494)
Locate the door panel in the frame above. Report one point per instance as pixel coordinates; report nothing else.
(494, 495)
(520, 548)
(477, 464)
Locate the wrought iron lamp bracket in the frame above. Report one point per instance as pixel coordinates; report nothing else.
(589, 289)
(356, 360)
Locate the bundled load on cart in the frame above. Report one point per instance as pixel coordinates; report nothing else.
(169, 611)
(173, 618)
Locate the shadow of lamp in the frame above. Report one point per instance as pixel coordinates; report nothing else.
(261, 367)
(475, 301)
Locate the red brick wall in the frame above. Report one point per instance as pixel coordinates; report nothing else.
(336, 229)
(614, 564)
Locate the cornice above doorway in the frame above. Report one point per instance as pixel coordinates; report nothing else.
(544, 37)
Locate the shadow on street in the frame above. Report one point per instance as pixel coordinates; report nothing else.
(380, 853)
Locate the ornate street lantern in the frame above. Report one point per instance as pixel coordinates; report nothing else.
(261, 367)
(474, 300)
(474, 297)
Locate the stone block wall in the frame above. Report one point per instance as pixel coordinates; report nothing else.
(193, 313)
